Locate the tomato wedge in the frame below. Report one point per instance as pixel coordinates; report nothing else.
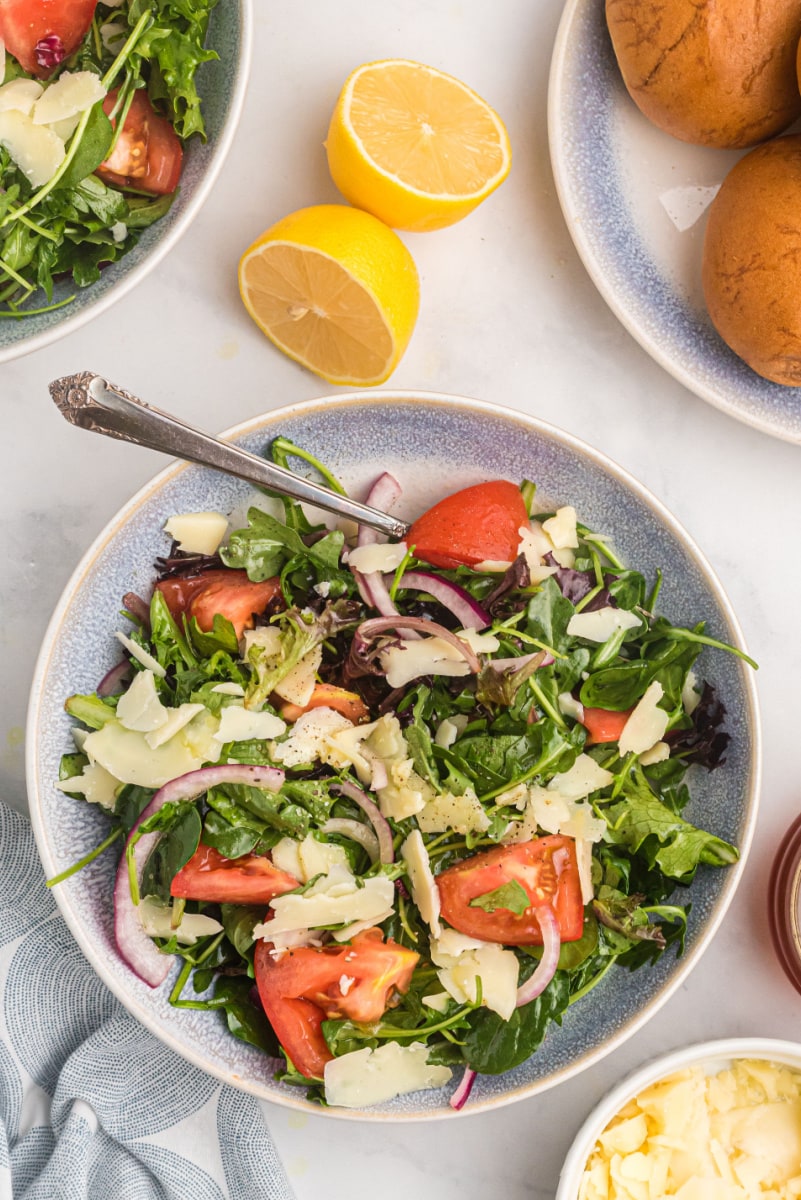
(301, 988)
(229, 593)
(251, 879)
(604, 725)
(148, 154)
(42, 33)
(532, 866)
(478, 524)
(327, 695)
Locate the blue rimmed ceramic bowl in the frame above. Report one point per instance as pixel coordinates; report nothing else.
(635, 201)
(434, 445)
(221, 85)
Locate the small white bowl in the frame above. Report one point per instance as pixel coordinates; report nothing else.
(712, 1056)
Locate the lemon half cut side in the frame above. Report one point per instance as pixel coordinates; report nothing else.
(336, 290)
(415, 146)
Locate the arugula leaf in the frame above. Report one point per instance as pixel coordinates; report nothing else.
(642, 823)
(245, 1021)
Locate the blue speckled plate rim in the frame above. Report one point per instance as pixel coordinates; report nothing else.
(136, 274)
(527, 424)
(765, 406)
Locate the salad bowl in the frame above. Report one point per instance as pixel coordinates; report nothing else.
(433, 445)
(221, 85)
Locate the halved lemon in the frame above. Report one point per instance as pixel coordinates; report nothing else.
(414, 146)
(336, 290)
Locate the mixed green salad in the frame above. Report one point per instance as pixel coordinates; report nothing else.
(394, 807)
(96, 103)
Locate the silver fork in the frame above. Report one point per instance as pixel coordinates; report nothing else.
(91, 402)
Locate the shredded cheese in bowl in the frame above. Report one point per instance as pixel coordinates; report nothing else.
(714, 1122)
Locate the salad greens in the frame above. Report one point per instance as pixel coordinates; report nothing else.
(75, 223)
(460, 764)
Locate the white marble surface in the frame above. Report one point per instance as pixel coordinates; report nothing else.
(508, 314)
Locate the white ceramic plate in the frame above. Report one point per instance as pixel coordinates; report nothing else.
(635, 202)
(434, 445)
(710, 1056)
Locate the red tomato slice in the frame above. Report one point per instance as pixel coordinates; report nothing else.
(148, 153)
(603, 725)
(251, 879)
(303, 987)
(42, 33)
(478, 524)
(531, 864)
(219, 591)
(327, 695)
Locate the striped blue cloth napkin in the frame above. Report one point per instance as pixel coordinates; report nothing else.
(92, 1106)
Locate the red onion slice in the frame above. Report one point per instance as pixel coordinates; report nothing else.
(383, 831)
(357, 831)
(112, 681)
(375, 626)
(383, 494)
(460, 1096)
(137, 949)
(451, 595)
(546, 968)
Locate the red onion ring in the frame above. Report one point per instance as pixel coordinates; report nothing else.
(451, 595)
(546, 967)
(459, 1097)
(383, 831)
(137, 949)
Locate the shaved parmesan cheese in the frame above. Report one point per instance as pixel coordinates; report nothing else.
(177, 718)
(584, 777)
(657, 754)
(73, 92)
(463, 814)
(734, 1135)
(690, 696)
(439, 1001)
(126, 755)
(265, 637)
(229, 689)
(297, 685)
(424, 890)
(492, 566)
(95, 784)
(463, 961)
(377, 556)
(37, 151)
(534, 545)
(368, 1076)
(65, 129)
(600, 625)
(141, 656)
(197, 533)
(584, 863)
(241, 725)
(561, 528)
(570, 707)
(20, 94)
(480, 643)
(307, 858)
(647, 723)
(310, 738)
(156, 920)
(336, 899)
(140, 708)
(448, 731)
(428, 656)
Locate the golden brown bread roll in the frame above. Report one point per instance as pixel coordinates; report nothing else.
(712, 72)
(752, 260)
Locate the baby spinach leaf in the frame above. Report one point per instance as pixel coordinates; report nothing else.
(494, 1045)
(509, 895)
